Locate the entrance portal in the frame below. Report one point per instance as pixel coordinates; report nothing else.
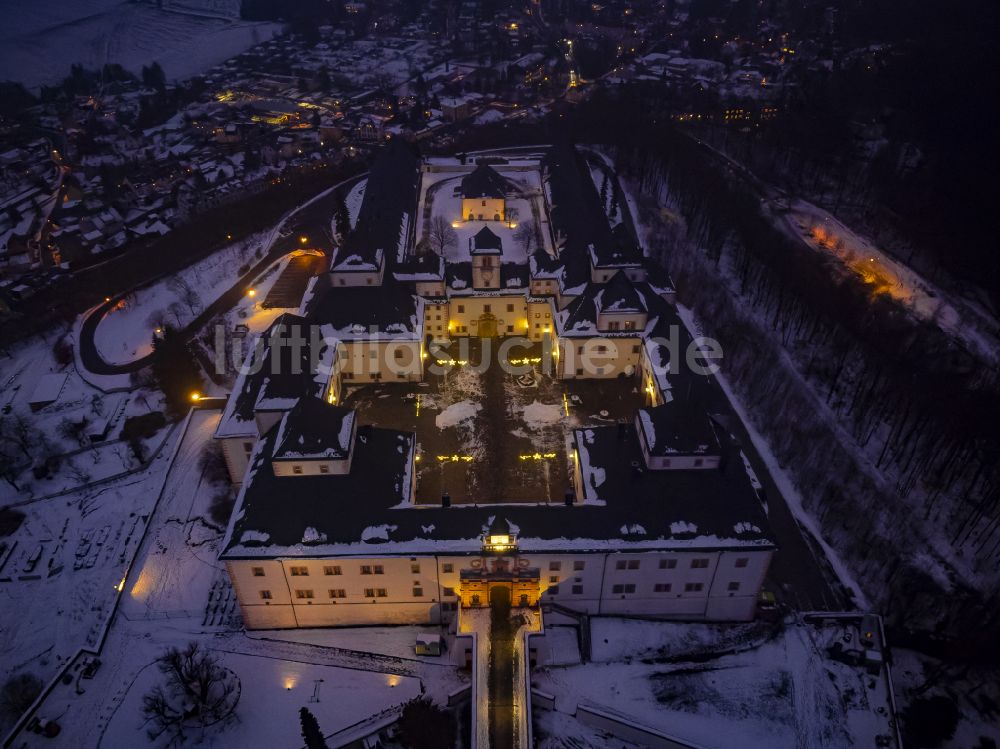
(500, 596)
(488, 325)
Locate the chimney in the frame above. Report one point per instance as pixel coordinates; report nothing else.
(445, 499)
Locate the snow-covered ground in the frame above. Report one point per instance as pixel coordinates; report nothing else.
(126, 332)
(271, 693)
(39, 40)
(823, 232)
(81, 461)
(444, 191)
(783, 692)
(176, 593)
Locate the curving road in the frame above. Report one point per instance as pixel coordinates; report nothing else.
(311, 221)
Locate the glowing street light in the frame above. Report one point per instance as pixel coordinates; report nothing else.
(303, 239)
(251, 293)
(195, 397)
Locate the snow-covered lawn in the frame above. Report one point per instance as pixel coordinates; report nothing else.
(272, 692)
(785, 692)
(82, 461)
(444, 191)
(126, 332)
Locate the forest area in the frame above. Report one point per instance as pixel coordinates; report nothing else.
(885, 421)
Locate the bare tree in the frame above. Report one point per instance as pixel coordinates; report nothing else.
(524, 234)
(198, 692)
(11, 466)
(441, 236)
(73, 429)
(78, 474)
(22, 433)
(511, 215)
(176, 309)
(185, 293)
(157, 319)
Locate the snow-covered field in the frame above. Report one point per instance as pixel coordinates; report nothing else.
(39, 40)
(81, 461)
(780, 692)
(126, 332)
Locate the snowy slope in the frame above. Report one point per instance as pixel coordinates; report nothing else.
(39, 41)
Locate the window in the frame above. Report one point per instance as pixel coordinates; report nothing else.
(699, 564)
(553, 579)
(668, 564)
(338, 593)
(379, 569)
(578, 565)
(324, 468)
(693, 587)
(265, 595)
(258, 572)
(662, 588)
(248, 447)
(299, 571)
(733, 587)
(612, 325)
(448, 591)
(601, 349)
(418, 592)
(486, 307)
(510, 307)
(304, 594)
(619, 589)
(381, 593)
(741, 562)
(484, 202)
(579, 350)
(366, 569)
(538, 315)
(369, 592)
(577, 590)
(555, 566)
(415, 568)
(635, 349)
(342, 282)
(630, 325)
(297, 470)
(332, 570)
(553, 590)
(447, 568)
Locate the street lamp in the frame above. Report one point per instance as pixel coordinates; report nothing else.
(195, 397)
(252, 293)
(303, 239)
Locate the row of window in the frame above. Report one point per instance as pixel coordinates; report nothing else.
(305, 594)
(698, 563)
(553, 590)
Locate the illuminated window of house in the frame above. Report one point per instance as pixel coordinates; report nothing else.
(299, 571)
